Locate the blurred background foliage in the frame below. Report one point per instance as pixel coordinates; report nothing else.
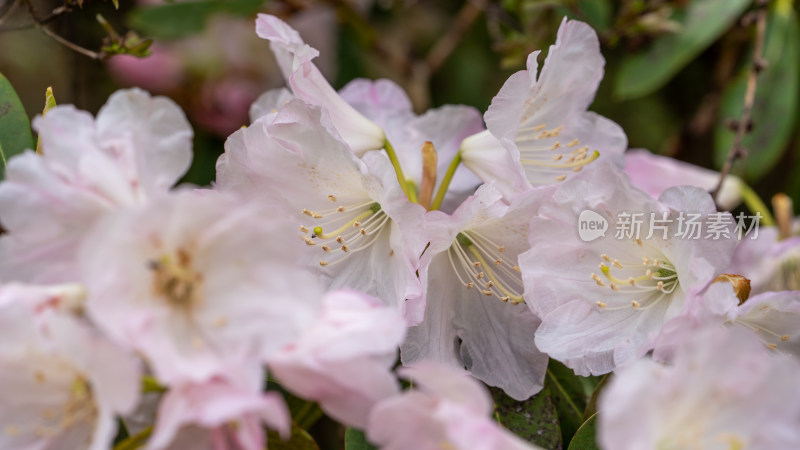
(675, 75)
(675, 81)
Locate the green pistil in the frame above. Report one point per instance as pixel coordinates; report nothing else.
(462, 239)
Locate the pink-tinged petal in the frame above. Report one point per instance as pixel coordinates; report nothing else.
(308, 84)
(222, 406)
(775, 317)
(148, 136)
(655, 174)
(444, 409)
(343, 360)
(495, 160)
(269, 102)
(723, 388)
(383, 102)
(768, 262)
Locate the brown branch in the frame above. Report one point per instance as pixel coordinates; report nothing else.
(744, 123)
(449, 41)
(41, 24)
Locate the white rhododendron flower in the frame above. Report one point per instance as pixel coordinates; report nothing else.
(62, 383)
(343, 359)
(138, 146)
(602, 303)
(769, 262)
(199, 280)
(360, 230)
(539, 131)
(307, 83)
(722, 390)
(474, 317)
(446, 409)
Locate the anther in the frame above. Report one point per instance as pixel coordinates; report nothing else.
(332, 198)
(604, 256)
(556, 145)
(772, 346)
(316, 215)
(326, 248)
(307, 212)
(309, 241)
(660, 285)
(469, 285)
(646, 261)
(577, 169)
(516, 269)
(614, 287)
(363, 232)
(601, 305)
(557, 157)
(476, 263)
(539, 127)
(573, 143)
(504, 299)
(339, 239)
(497, 262)
(356, 224)
(345, 248)
(561, 178)
(340, 209)
(489, 284)
(635, 304)
(639, 242)
(632, 281)
(303, 229)
(501, 249)
(323, 263)
(617, 264)
(487, 293)
(480, 275)
(785, 337)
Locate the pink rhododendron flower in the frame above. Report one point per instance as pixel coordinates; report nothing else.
(770, 263)
(775, 317)
(360, 230)
(603, 302)
(386, 104)
(655, 174)
(723, 389)
(474, 317)
(219, 414)
(137, 147)
(308, 84)
(343, 359)
(445, 409)
(539, 131)
(199, 280)
(62, 383)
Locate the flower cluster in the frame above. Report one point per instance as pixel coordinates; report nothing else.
(343, 228)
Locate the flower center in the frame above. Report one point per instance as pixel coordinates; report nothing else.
(543, 155)
(175, 281)
(648, 281)
(344, 230)
(481, 264)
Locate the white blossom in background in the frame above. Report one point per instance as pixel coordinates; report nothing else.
(769, 262)
(722, 390)
(344, 358)
(539, 131)
(602, 303)
(137, 147)
(445, 409)
(199, 280)
(475, 317)
(62, 383)
(360, 230)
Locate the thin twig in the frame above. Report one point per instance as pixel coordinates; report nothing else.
(8, 11)
(737, 151)
(449, 41)
(40, 24)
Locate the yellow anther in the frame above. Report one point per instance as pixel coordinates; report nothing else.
(326, 248)
(497, 262)
(469, 285)
(660, 285)
(356, 224)
(785, 337)
(339, 239)
(340, 209)
(557, 157)
(635, 304)
(555, 145)
(303, 229)
(601, 305)
(772, 346)
(332, 198)
(317, 215)
(617, 264)
(614, 287)
(363, 232)
(489, 284)
(480, 275)
(539, 127)
(573, 143)
(632, 281)
(476, 263)
(604, 256)
(307, 212)
(487, 293)
(501, 249)
(309, 241)
(561, 178)
(639, 242)
(516, 269)
(504, 299)
(345, 248)
(323, 263)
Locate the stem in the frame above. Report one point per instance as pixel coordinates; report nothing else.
(755, 204)
(448, 176)
(757, 64)
(397, 169)
(563, 392)
(136, 441)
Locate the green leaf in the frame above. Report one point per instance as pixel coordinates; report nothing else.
(15, 128)
(299, 440)
(356, 440)
(702, 21)
(176, 20)
(775, 105)
(585, 437)
(597, 13)
(534, 420)
(591, 406)
(570, 395)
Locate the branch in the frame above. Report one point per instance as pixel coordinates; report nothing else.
(41, 24)
(744, 124)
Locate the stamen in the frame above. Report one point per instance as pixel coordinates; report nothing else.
(323, 263)
(303, 229)
(332, 198)
(345, 248)
(601, 305)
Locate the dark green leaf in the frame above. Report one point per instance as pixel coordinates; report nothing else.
(775, 104)
(299, 440)
(591, 406)
(355, 440)
(175, 20)
(569, 393)
(585, 437)
(15, 128)
(597, 13)
(534, 420)
(702, 22)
